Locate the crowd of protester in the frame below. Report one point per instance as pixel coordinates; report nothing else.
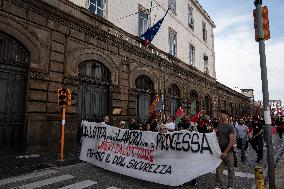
(203, 125)
(249, 129)
(245, 130)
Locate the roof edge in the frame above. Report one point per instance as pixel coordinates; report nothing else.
(204, 12)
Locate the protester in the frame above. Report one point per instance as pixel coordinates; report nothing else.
(201, 126)
(280, 125)
(192, 127)
(122, 125)
(210, 126)
(182, 124)
(170, 125)
(215, 123)
(107, 120)
(152, 123)
(257, 139)
(226, 139)
(133, 125)
(141, 126)
(163, 129)
(242, 138)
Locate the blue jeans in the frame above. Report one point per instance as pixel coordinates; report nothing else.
(243, 149)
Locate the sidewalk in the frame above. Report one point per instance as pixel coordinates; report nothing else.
(16, 165)
(279, 172)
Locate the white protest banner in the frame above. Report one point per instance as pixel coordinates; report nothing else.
(170, 159)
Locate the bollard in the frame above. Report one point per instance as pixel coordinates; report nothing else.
(259, 179)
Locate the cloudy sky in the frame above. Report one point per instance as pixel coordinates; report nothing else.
(237, 58)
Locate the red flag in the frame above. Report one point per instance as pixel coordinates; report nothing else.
(179, 114)
(196, 117)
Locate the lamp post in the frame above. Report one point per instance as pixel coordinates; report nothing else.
(260, 38)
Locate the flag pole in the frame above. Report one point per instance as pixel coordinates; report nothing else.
(161, 110)
(164, 116)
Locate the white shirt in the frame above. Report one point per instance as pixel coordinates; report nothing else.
(170, 126)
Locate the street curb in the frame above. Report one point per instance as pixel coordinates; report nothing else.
(277, 157)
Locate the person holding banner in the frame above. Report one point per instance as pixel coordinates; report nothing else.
(170, 125)
(133, 125)
(152, 123)
(227, 138)
(106, 120)
(122, 125)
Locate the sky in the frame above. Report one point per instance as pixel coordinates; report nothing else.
(237, 55)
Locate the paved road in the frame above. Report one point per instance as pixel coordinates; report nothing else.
(84, 175)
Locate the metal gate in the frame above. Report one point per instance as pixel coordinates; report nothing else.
(14, 58)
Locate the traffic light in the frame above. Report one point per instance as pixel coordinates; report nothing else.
(69, 97)
(62, 97)
(265, 24)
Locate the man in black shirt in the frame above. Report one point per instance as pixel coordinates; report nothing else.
(257, 139)
(133, 125)
(152, 123)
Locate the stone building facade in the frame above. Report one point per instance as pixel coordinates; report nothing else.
(49, 44)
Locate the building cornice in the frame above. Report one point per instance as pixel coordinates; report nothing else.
(198, 5)
(226, 88)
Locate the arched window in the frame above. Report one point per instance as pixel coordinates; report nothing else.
(94, 71)
(94, 91)
(208, 105)
(194, 102)
(174, 99)
(145, 93)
